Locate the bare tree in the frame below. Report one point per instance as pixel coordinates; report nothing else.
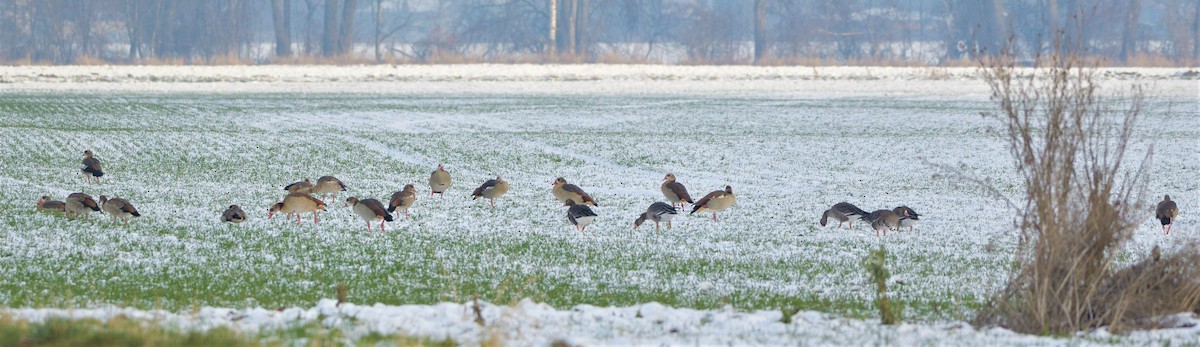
(329, 37)
(1196, 34)
(346, 36)
(760, 30)
(283, 35)
(1129, 35)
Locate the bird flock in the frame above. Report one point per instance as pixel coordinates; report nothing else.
(302, 198)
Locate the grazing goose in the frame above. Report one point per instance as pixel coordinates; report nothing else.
(657, 212)
(118, 208)
(843, 212)
(328, 185)
(91, 167)
(304, 186)
(882, 220)
(298, 203)
(1166, 213)
(439, 181)
(491, 190)
(77, 203)
(233, 214)
(579, 215)
(908, 217)
(717, 201)
(674, 191)
(45, 204)
(564, 191)
(403, 200)
(370, 210)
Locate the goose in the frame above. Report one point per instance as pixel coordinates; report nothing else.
(564, 191)
(77, 203)
(843, 212)
(717, 201)
(304, 186)
(233, 214)
(439, 181)
(882, 220)
(403, 200)
(298, 203)
(370, 210)
(91, 167)
(1166, 213)
(491, 190)
(657, 212)
(328, 185)
(675, 191)
(579, 215)
(118, 208)
(908, 217)
(45, 204)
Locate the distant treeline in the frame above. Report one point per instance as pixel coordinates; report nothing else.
(881, 32)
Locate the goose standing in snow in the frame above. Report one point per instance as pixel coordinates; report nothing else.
(491, 190)
(304, 186)
(439, 181)
(403, 200)
(298, 203)
(717, 201)
(657, 212)
(579, 215)
(45, 204)
(564, 191)
(883, 220)
(91, 167)
(908, 217)
(233, 214)
(328, 185)
(77, 203)
(675, 191)
(118, 208)
(843, 212)
(370, 210)
(1166, 213)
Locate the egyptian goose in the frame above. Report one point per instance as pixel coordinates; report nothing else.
(370, 210)
(716, 201)
(45, 204)
(403, 200)
(1166, 213)
(298, 203)
(908, 217)
(674, 191)
(328, 185)
(843, 212)
(657, 212)
(564, 191)
(579, 215)
(491, 190)
(883, 220)
(77, 203)
(233, 214)
(91, 167)
(439, 181)
(304, 186)
(118, 207)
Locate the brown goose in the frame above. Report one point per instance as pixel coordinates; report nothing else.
(564, 191)
(45, 204)
(370, 210)
(439, 181)
(298, 203)
(91, 167)
(717, 201)
(579, 215)
(118, 208)
(328, 185)
(674, 191)
(304, 186)
(77, 203)
(908, 217)
(403, 200)
(657, 212)
(233, 214)
(491, 190)
(1166, 213)
(883, 220)
(843, 212)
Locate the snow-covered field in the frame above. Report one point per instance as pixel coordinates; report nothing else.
(184, 143)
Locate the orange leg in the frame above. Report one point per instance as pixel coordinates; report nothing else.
(315, 221)
(714, 216)
(381, 229)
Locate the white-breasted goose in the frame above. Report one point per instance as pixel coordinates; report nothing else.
(118, 208)
(233, 214)
(717, 201)
(298, 203)
(370, 210)
(491, 190)
(843, 212)
(91, 167)
(328, 185)
(77, 203)
(657, 212)
(439, 181)
(45, 204)
(883, 220)
(403, 200)
(674, 191)
(1166, 213)
(304, 186)
(908, 217)
(579, 215)
(564, 191)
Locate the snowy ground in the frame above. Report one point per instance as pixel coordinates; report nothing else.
(184, 143)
